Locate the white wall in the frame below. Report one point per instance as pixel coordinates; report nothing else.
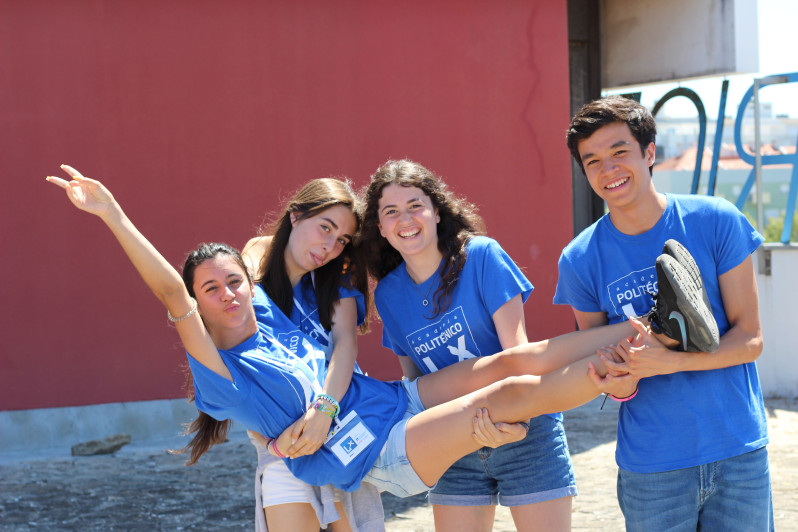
(649, 41)
(778, 300)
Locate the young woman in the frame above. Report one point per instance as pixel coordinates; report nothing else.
(400, 437)
(446, 294)
(299, 262)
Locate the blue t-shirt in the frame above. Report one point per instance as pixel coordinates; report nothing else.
(274, 383)
(488, 280)
(688, 418)
(305, 312)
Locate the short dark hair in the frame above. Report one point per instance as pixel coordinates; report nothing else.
(599, 113)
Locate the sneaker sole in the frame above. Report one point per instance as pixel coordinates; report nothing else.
(676, 250)
(696, 324)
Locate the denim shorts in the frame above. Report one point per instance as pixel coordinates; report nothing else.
(535, 469)
(730, 495)
(392, 471)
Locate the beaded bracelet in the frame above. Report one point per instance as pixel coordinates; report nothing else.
(181, 318)
(273, 447)
(330, 399)
(321, 407)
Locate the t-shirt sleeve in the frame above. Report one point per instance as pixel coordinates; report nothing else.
(214, 394)
(736, 237)
(360, 301)
(501, 279)
(385, 311)
(571, 288)
(392, 344)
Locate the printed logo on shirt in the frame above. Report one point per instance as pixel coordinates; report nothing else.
(310, 325)
(629, 295)
(298, 343)
(450, 336)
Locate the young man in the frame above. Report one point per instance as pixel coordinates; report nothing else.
(691, 445)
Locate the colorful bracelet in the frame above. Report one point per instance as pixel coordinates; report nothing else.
(330, 399)
(273, 447)
(321, 407)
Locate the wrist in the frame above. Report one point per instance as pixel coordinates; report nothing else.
(273, 450)
(326, 403)
(113, 215)
(628, 397)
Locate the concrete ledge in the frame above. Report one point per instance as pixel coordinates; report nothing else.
(55, 430)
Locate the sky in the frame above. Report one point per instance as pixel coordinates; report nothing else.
(778, 54)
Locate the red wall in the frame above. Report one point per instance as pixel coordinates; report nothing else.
(201, 115)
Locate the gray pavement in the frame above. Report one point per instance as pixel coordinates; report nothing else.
(142, 487)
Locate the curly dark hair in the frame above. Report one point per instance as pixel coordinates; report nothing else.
(459, 222)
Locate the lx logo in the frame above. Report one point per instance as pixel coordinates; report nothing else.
(460, 351)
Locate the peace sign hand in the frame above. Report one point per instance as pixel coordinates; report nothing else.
(86, 194)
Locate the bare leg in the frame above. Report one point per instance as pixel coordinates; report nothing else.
(463, 518)
(290, 517)
(342, 525)
(439, 436)
(552, 516)
(533, 358)
(301, 517)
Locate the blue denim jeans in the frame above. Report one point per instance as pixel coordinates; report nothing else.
(535, 469)
(727, 496)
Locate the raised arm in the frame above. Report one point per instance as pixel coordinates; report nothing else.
(91, 196)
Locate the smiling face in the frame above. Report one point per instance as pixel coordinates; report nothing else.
(615, 167)
(316, 240)
(408, 220)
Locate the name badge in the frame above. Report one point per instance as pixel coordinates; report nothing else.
(348, 438)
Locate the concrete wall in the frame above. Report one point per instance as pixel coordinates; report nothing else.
(778, 293)
(53, 431)
(647, 41)
(202, 116)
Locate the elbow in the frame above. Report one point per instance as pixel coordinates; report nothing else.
(756, 345)
(521, 360)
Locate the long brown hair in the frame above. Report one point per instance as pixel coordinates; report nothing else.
(313, 198)
(459, 223)
(207, 430)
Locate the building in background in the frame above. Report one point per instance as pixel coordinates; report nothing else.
(203, 116)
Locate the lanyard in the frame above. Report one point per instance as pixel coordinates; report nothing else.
(316, 326)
